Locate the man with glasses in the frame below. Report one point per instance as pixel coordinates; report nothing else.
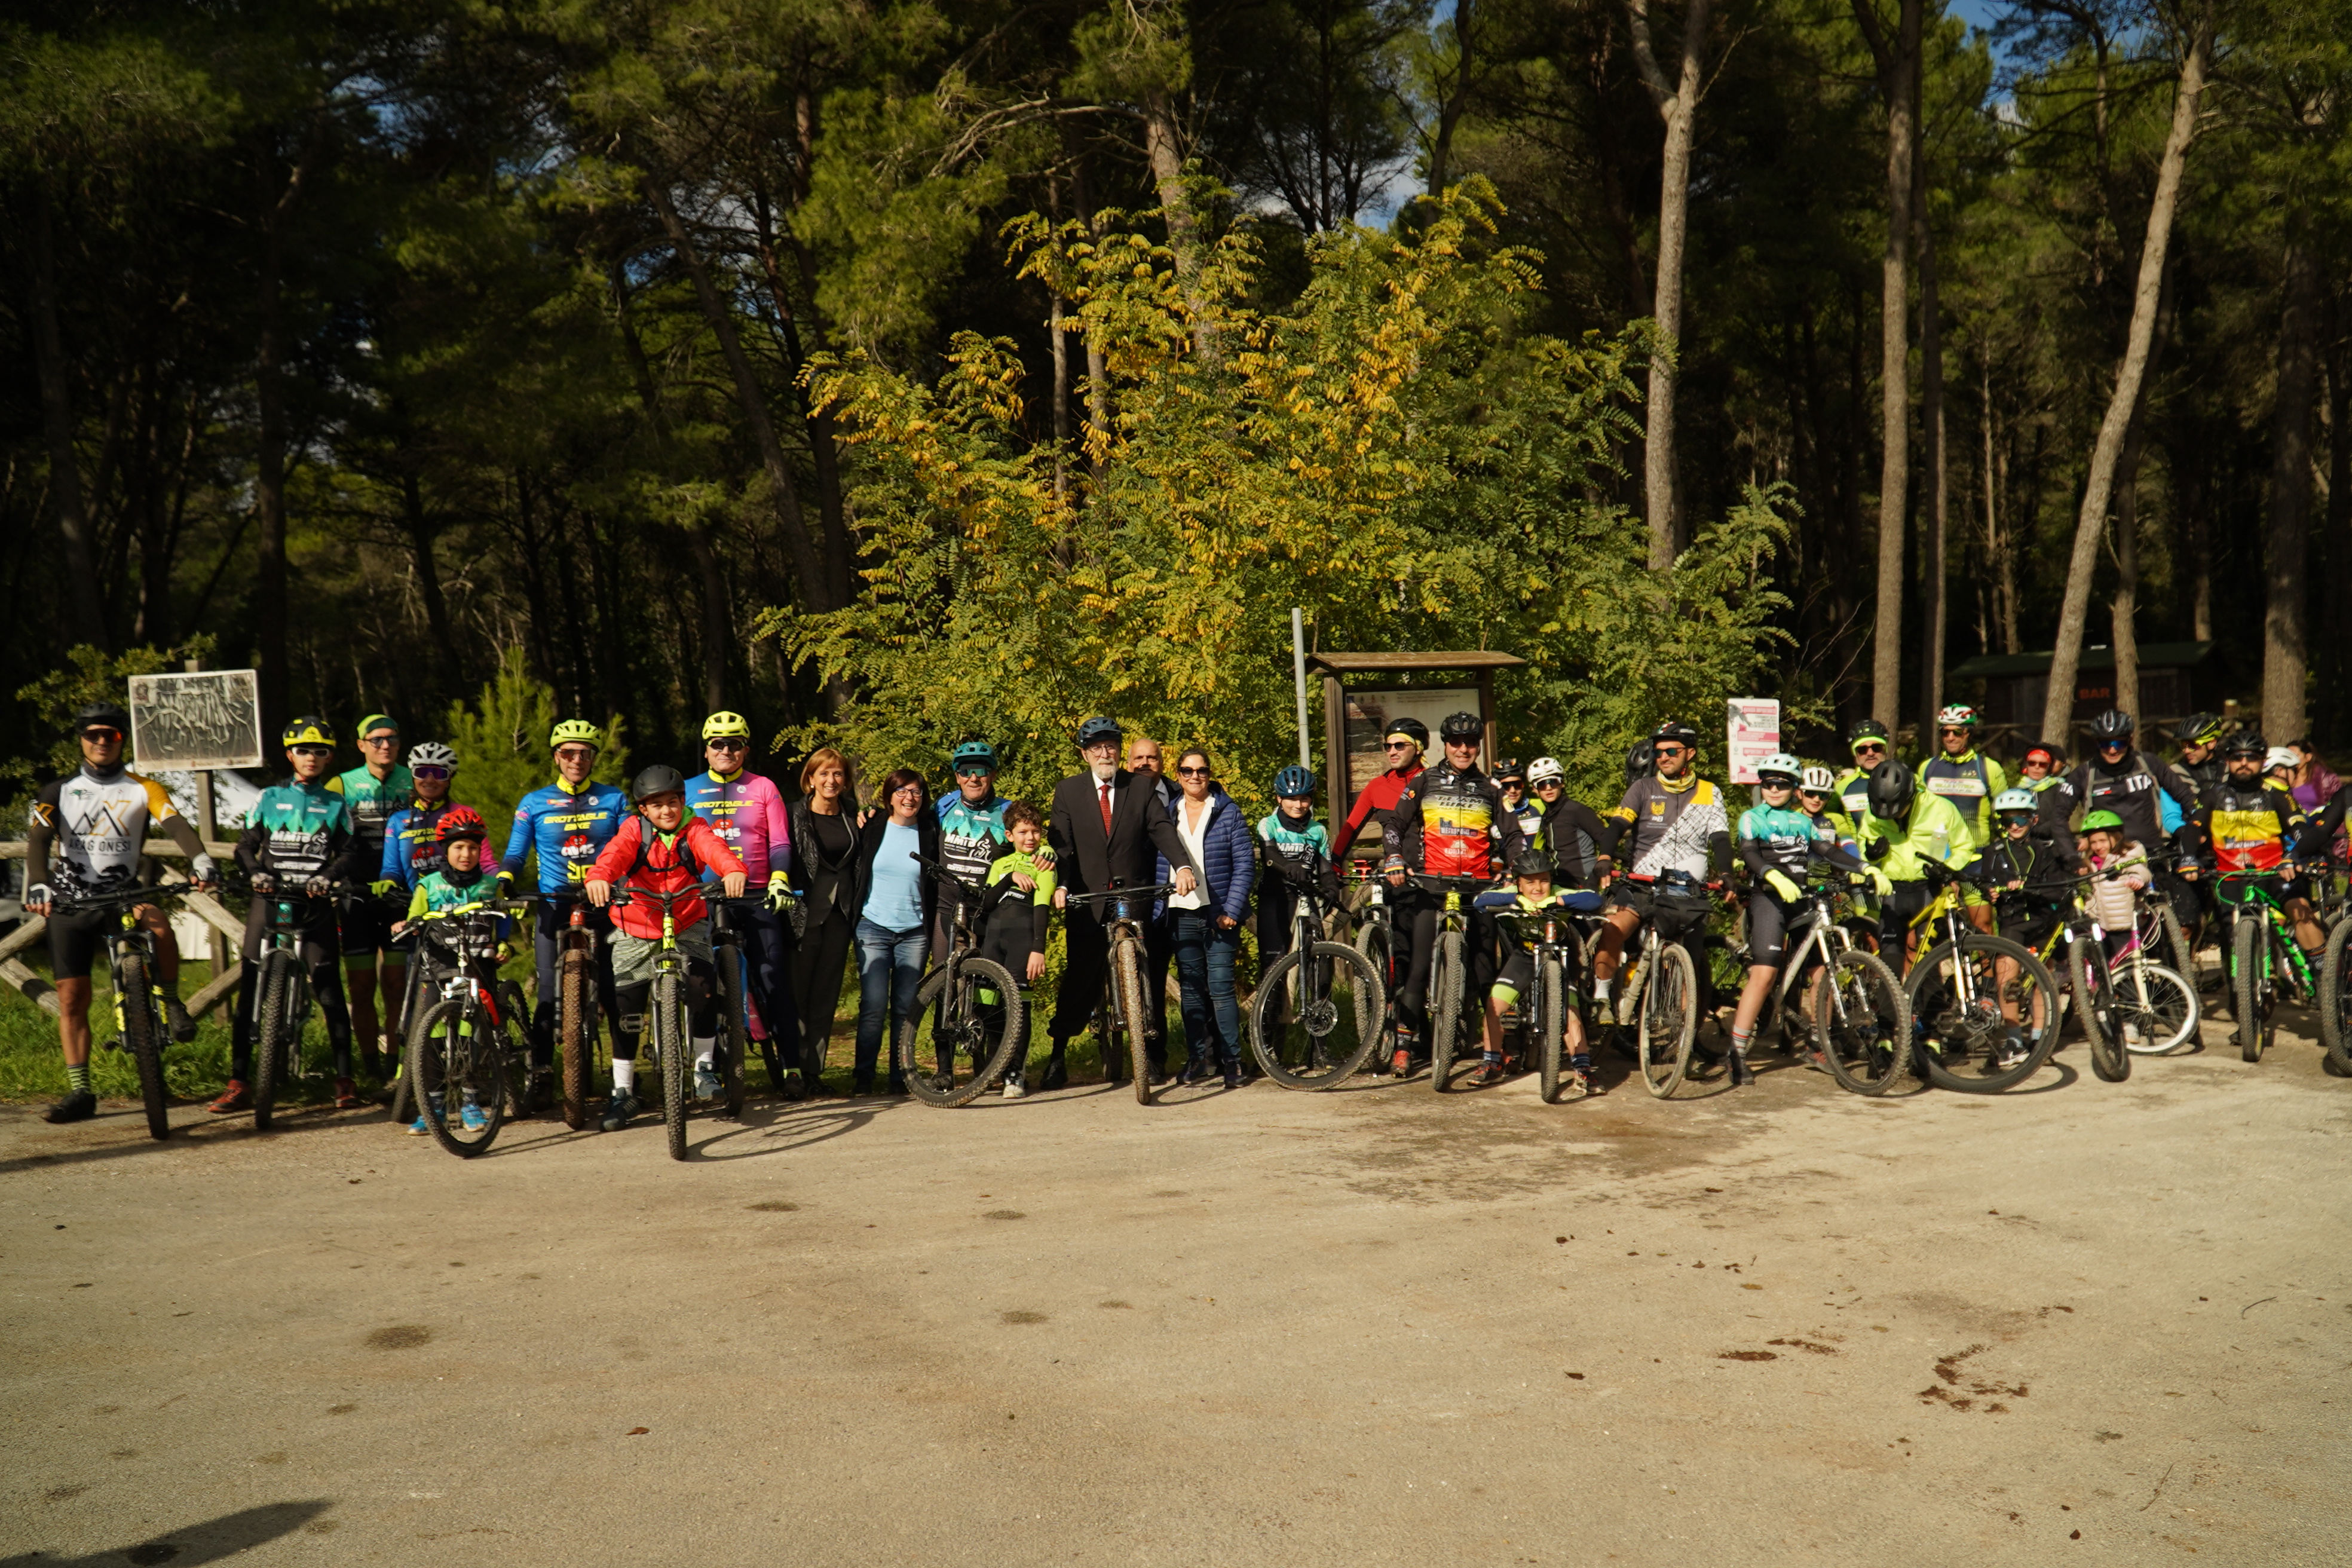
(1673, 820)
(2201, 758)
(1406, 740)
(378, 787)
(1865, 741)
(95, 822)
(747, 812)
(299, 833)
(2120, 778)
(1570, 831)
(1963, 774)
(413, 850)
(567, 824)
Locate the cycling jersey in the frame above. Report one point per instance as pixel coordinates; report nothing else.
(1016, 923)
(1662, 828)
(1934, 830)
(2252, 826)
(567, 824)
(1529, 811)
(438, 892)
(1374, 806)
(2130, 793)
(99, 820)
(301, 830)
(1572, 833)
(1853, 789)
(1781, 838)
(972, 837)
(1442, 825)
(1970, 780)
(412, 847)
(1293, 848)
(372, 801)
(744, 810)
(641, 855)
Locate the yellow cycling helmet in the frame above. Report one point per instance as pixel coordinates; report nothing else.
(576, 731)
(726, 727)
(308, 731)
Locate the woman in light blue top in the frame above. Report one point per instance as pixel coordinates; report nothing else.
(895, 902)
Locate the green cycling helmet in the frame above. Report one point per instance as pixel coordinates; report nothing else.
(2106, 819)
(575, 731)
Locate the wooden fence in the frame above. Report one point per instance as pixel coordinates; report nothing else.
(227, 932)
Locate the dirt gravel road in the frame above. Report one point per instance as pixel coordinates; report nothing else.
(2095, 1324)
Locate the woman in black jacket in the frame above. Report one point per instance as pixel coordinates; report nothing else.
(824, 823)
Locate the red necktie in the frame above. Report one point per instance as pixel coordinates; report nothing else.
(1105, 811)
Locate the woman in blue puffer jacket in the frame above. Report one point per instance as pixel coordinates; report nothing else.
(1204, 927)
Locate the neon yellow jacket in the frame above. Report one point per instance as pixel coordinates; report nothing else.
(1935, 829)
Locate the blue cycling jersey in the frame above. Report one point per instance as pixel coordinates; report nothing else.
(972, 837)
(568, 828)
(1782, 839)
(412, 845)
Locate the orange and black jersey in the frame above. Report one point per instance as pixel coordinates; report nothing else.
(1444, 825)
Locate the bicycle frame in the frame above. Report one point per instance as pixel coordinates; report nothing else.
(2279, 932)
(1822, 933)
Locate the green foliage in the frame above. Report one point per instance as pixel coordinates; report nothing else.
(501, 745)
(89, 675)
(1396, 455)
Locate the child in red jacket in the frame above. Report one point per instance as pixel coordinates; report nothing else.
(663, 848)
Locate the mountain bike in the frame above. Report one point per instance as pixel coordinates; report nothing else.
(1125, 1010)
(2336, 990)
(575, 1005)
(1660, 989)
(140, 1028)
(977, 1014)
(1307, 1000)
(1855, 1017)
(469, 1055)
(1985, 1011)
(2130, 1003)
(285, 983)
(1449, 972)
(734, 1049)
(1376, 941)
(1555, 962)
(666, 1023)
(2260, 958)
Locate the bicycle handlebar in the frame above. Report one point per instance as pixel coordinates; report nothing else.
(1157, 889)
(114, 895)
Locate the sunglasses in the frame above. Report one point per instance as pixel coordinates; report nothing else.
(313, 750)
(1668, 750)
(1868, 746)
(1399, 745)
(1812, 794)
(1774, 783)
(1949, 733)
(2113, 745)
(974, 773)
(430, 771)
(727, 744)
(391, 739)
(576, 754)
(102, 734)
(1547, 783)
(1193, 772)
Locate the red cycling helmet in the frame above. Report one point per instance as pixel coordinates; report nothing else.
(461, 822)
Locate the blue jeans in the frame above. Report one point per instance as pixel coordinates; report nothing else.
(889, 968)
(1204, 980)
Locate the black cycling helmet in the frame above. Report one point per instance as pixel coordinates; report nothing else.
(1412, 730)
(2200, 728)
(1675, 729)
(1099, 729)
(1641, 763)
(1863, 730)
(1891, 789)
(2246, 744)
(107, 713)
(307, 730)
(1460, 727)
(2115, 725)
(1508, 769)
(1530, 861)
(659, 779)
(1294, 782)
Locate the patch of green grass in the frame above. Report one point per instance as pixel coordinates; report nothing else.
(32, 1068)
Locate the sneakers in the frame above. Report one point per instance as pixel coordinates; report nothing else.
(175, 1015)
(1491, 1070)
(1234, 1078)
(619, 1109)
(470, 1117)
(1742, 1075)
(2013, 1050)
(78, 1106)
(417, 1128)
(1013, 1088)
(706, 1081)
(232, 1099)
(347, 1095)
(1056, 1075)
(1194, 1072)
(1400, 1063)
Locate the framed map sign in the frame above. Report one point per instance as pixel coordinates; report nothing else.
(204, 719)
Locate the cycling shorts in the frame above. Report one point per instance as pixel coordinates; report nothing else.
(1768, 921)
(1517, 976)
(1897, 910)
(74, 938)
(366, 924)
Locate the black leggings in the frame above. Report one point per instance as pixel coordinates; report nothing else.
(701, 1009)
(322, 954)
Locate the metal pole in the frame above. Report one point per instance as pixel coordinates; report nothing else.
(1298, 674)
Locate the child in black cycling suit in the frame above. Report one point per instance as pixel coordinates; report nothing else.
(1518, 919)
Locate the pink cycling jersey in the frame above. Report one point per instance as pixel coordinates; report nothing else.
(748, 815)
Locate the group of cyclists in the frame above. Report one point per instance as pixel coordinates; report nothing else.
(378, 851)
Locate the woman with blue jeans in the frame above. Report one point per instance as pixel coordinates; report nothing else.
(1204, 926)
(894, 903)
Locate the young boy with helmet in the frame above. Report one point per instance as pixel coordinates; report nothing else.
(1518, 914)
(459, 881)
(1512, 780)
(566, 825)
(748, 814)
(299, 832)
(1570, 831)
(1294, 855)
(663, 848)
(2032, 888)
(1015, 920)
(412, 851)
(1779, 844)
(372, 792)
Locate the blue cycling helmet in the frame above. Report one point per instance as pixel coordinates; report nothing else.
(1295, 781)
(1099, 729)
(975, 753)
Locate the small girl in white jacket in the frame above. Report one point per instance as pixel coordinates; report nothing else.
(2119, 870)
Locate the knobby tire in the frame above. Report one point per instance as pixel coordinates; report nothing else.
(270, 1057)
(575, 1012)
(1957, 1016)
(959, 1016)
(1293, 995)
(2165, 1006)
(2097, 1009)
(1127, 979)
(142, 1036)
(1445, 979)
(1550, 1014)
(1861, 1023)
(668, 1004)
(1668, 1013)
(2250, 951)
(734, 1033)
(2335, 998)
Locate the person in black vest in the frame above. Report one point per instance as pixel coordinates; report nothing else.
(1108, 830)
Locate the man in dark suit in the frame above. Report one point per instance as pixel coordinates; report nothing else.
(1109, 830)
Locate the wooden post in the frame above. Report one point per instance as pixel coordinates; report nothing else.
(1486, 714)
(1335, 783)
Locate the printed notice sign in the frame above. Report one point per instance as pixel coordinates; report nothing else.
(208, 719)
(1753, 729)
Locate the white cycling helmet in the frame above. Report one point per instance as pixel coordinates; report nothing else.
(432, 754)
(1544, 768)
(1817, 780)
(2010, 800)
(1780, 764)
(2279, 757)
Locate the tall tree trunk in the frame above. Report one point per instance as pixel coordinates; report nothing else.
(1677, 105)
(1931, 427)
(817, 589)
(269, 453)
(1998, 554)
(716, 634)
(2335, 538)
(1898, 84)
(419, 525)
(2124, 631)
(1451, 105)
(2123, 403)
(1098, 365)
(2286, 537)
(85, 611)
(1163, 150)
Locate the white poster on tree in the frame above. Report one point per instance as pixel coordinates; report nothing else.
(1753, 733)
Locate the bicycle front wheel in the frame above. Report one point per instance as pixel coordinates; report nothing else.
(2335, 998)
(1861, 1023)
(2249, 961)
(976, 1015)
(1976, 1031)
(669, 1009)
(142, 1036)
(575, 1016)
(1317, 1017)
(2156, 1007)
(2096, 1002)
(272, 1052)
(1667, 1009)
(1126, 979)
(1445, 977)
(455, 1063)
(1551, 1025)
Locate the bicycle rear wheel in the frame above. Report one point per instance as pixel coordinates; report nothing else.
(2180, 955)
(2096, 1002)
(977, 1015)
(734, 1032)
(271, 1054)
(2249, 957)
(1550, 1003)
(1313, 1025)
(525, 1083)
(1958, 1024)
(143, 1037)
(454, 1059)
(575, 1016)
(2156, 1007)
(2335, 998)
(669, 1009)
(1445, 977)
(1667, 1009)
(1861, 1023)
(1129, 997)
